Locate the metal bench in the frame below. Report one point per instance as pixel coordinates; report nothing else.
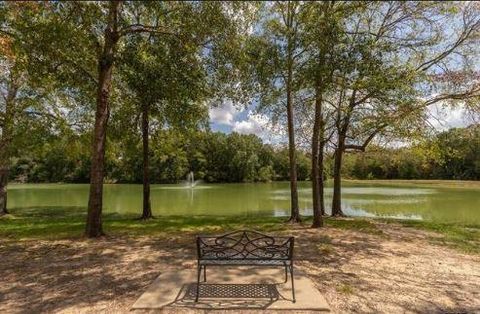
(246, 248)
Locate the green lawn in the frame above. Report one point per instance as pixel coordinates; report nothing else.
(68, 223)
(60, 223)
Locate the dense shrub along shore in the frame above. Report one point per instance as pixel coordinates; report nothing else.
(218, 157)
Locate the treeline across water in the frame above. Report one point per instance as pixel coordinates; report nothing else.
(452, 155)
(218, 157)
(212, 156)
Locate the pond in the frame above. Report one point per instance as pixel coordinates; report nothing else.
(410, 201)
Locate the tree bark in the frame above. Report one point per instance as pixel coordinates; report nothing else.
(295, 213)
(317, 162)
(5, 142)
(321, 167)
(105, 66)
(3, 190)
(343, 123)
(337, 179)
(147, 209)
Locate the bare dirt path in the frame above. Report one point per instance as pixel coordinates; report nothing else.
(397, 271)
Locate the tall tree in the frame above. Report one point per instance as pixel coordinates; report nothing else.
(319, 38)
(288, 16)
(168, 83)
(393, 52)
(276, 60)
(105, 68)
(10, 86)
(15, 90)
(174, 78)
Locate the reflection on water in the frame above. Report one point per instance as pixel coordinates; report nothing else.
(183, 187)
(350, 211)
(388, 191)
(266, 199)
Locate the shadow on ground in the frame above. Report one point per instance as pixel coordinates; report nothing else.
(357, 271)
(228, 296)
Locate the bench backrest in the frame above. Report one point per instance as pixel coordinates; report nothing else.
(244, 245)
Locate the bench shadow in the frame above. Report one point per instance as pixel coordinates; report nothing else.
(227, 296)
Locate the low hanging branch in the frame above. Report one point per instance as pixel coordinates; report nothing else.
(472, 93)
(140, 28)
(363, 146)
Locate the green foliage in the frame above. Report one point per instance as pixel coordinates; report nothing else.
(213, 157)
(59, 159)
(459, 154)
(452, 154)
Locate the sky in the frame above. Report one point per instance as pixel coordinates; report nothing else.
(228, 118)
(445, 118)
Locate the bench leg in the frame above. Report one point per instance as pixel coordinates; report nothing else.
(205, 273)
(293, 286)
(199, 270)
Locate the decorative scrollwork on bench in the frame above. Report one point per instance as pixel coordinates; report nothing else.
(244, 245)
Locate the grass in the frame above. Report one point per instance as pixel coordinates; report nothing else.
(357, 224)
(53, 223)
(465, 238)
(60, 223)
(68, 222)
(345, 289)
(325, 246)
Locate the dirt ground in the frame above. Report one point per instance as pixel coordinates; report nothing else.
(398, 271)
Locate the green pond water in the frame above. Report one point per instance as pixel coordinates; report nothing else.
(459, 205)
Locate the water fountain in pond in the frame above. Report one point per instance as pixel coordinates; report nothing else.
(189, 184)
(190, 179)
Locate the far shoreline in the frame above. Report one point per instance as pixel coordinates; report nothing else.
(468, 184)
(425, 182)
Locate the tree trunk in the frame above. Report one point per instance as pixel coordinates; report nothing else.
(317, 162)
(295, 213)
(321, 178)
(337, 181)
(342, 129)
(3, 190)
(105, 67)
(147, 210)
(5, 142)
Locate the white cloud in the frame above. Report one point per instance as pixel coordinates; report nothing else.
(444, 117)
(253, 125)
(245, 121)
(259, 125)
(225, 114)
